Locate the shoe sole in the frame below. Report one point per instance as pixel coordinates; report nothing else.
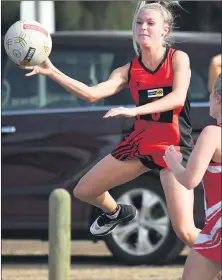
(125, 220)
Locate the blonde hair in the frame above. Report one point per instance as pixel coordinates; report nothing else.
(164, 8)
(218, 85)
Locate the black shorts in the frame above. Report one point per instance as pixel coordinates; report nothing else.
(149, 163)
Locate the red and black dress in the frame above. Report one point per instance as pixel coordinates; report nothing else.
(153, 133)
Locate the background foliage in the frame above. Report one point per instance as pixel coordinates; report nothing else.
(92, 15)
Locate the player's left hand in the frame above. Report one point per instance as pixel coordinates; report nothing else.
(172, 157)
(120, 112)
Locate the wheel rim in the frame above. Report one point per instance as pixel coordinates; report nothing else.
(148, 231)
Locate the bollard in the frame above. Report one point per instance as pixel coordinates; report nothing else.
(59, 235)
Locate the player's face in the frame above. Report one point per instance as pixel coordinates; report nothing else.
(150, 28)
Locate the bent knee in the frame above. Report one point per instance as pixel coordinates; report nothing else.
(80, 190)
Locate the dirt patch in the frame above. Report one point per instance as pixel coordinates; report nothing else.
(135, 273)
(81, 272)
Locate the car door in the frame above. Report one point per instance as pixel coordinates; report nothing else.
(50, 138)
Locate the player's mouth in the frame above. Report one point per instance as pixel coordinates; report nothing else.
(144, 35)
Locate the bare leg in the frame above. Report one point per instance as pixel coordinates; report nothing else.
(198, 267)
(106, 174)
(180, 207)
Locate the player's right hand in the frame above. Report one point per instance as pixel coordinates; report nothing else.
(45, 68)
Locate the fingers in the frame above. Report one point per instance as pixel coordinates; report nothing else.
(170, 149)
(23, 67)
(170, 153)
(30, 74)
(106, 116)
(111, 116)
(112, 113)
(26, 67)
(115, 112)
(35, 70)
(116, 115)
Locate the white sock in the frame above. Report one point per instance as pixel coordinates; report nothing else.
(115, 213)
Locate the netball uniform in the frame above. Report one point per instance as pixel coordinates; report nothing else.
(153, 133)
(208, 242)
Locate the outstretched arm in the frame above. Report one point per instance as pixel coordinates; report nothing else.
(207, 144)
(117, 80)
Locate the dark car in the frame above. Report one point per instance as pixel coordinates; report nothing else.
(51, 138)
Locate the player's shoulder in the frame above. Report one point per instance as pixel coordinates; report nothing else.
(180, 58)
(121, 72)
(211, 132)
(122, 69)
(216, 59)
(178, 54)
(212, 128)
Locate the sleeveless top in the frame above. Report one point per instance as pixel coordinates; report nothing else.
(147, 86)
(209, 241)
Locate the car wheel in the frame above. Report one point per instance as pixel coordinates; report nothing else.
(149, 238)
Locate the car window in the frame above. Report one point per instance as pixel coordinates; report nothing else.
(198, 90)
(24, 93)
(124, 96)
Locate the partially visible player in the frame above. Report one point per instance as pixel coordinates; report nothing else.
(214, 70)
(204, 261)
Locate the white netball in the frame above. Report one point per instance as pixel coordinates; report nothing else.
(27, 42)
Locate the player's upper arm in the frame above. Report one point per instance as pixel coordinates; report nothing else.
(117, 81)
(181, 74)
(202, 154)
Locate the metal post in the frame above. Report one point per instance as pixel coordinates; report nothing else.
(41, 11)
(27, 10)
(45, 14)
(59, 235)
